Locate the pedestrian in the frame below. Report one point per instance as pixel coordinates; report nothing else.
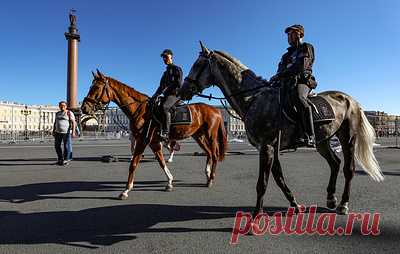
(71, 118)
(63, 130)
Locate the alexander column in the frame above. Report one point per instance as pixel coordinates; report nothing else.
(73, 38)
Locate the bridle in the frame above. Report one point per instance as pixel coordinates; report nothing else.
(96, 102)
(199, 88)
(106, 90)
(195, 81)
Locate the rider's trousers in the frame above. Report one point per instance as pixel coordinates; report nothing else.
(169, 102)
(305, 109)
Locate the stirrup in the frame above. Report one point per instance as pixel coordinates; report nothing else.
(307, 142)
(310, 141)
(164, 135)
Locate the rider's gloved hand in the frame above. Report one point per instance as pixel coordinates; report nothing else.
(153, 98)
(274, 78)
(274, 81)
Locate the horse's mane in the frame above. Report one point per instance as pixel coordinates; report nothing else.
(232, 65)
(231, 59)
(128, 89)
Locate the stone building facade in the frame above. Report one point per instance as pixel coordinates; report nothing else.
(15, 117)
(234, 127)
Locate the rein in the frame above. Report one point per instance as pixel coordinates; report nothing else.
(221, 99)
(209, 97)
(231, 95)
(105, 107)
(198, 87)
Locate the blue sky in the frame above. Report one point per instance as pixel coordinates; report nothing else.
(357, 43)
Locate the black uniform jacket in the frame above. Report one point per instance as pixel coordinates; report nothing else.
(298, 62)
(170, 81)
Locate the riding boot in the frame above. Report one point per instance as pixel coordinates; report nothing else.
(310, 127)
(167, 123)
(302, 138)
(306, 132)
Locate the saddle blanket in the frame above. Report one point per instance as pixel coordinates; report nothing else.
(322, 110)
(182, 115)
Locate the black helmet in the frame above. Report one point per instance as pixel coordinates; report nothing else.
(166, 52)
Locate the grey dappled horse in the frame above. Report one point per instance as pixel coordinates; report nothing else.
(260, 111)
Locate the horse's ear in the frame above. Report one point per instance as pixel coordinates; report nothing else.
(99, 74)
(204, 50)
(94, 75)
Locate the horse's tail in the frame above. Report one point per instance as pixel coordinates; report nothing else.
(363, 150)
(222, 140)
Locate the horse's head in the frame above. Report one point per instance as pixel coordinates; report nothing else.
(200, 76)
(99, 94)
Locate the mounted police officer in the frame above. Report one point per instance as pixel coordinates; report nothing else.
(170, 82)
(295, 71)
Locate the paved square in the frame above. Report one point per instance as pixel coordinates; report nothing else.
(45, 208)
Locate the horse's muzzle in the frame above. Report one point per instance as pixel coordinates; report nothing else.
(187, 91)
(86, 109)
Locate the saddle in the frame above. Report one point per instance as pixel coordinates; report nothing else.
(180, 113)
(321, 110)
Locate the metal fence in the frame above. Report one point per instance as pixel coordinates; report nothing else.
(46, 136)
(389, 141)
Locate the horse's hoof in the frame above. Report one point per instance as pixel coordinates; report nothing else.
(123, 196)
(342, 209)
(331, 203)
(210, 184)
(257, 212)
(295, 205)
(169, 187)
(169, 161)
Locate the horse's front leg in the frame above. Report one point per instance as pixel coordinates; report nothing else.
(280, 181)
(266, 162)
(171, 155)
(137, 155)
(132, 145)
(171, 151)
(156, 147)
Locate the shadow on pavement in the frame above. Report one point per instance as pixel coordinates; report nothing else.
(385, 173)
(52, 161)
(109, 225)
(39, 191)
(102, 226)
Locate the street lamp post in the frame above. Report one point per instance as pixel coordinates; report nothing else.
(396, 131)
(40, 119)
(12, 125)
(26, 113)
(44, 124)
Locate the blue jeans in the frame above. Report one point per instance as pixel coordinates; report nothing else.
(69, 147)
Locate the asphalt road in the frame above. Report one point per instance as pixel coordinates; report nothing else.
(50, 209)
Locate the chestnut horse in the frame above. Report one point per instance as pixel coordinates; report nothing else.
(171, 146)
(207, 126)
